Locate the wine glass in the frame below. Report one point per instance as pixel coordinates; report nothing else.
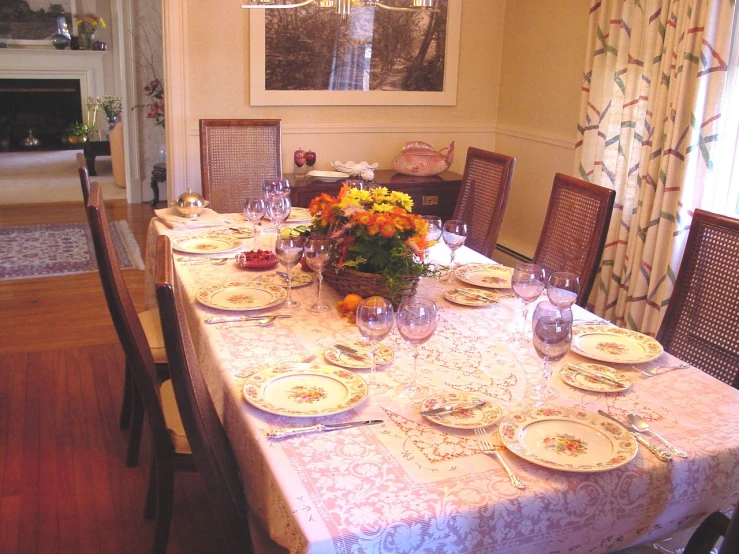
(318, 250)
(355, 184)
(527, 283)
(254, 210)
(563, 288)
(552, 339)
(454, 234)
(434, 231)
(416, 323)
(277, 187)
(289, 251)
(278, 209)
(375, 321)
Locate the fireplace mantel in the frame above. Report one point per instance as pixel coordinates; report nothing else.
(29, 63)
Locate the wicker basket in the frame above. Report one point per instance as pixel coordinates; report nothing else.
(347, 280)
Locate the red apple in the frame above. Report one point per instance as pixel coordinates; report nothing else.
(310, 158)
(300, 157)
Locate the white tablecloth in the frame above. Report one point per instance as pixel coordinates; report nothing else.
(410, 485)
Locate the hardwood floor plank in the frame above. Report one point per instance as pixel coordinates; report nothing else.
(31, 472)
(48, 541)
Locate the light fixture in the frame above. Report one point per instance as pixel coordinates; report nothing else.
(344, 7)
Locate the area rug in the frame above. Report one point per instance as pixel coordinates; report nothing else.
(60, 249)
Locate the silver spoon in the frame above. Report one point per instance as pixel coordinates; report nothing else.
(638, 424)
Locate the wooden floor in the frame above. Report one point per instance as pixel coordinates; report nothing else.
(64, 487)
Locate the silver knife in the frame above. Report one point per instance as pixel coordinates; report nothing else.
(662, 454)
(232, 318)
(280, 433)
(352, 353)
(596, 375)
(454, 407)
(473, 295)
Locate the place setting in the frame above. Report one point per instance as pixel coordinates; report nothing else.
(356, 354)
(211, 243)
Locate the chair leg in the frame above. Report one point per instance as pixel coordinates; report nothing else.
(137, 426)
(165, 500)
(127, 402)
(150, 505)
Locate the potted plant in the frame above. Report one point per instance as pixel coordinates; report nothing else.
(75, 133)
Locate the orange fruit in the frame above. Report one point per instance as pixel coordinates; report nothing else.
(351, 301)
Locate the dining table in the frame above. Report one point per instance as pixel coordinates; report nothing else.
(422, 484)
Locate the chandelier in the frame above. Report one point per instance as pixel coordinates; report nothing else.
(344, 7)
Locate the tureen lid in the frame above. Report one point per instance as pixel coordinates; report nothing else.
(190, 199)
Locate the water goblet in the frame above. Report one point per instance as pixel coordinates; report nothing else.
(527, 283)
(278, 210)
(374, 321)
(552, 339)
(317, 252)
(254, 210)
(416, 323)
(563, 288)
(277, 187)
(356, 184)
(454, 233)
(434, 232)
(289, 251)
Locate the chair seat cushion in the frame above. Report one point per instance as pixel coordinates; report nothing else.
(173, 420)
(153, 330)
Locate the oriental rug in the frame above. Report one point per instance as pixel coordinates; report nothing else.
(60, 249)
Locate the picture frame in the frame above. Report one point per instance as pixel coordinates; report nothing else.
(260, 96)
(23, 40)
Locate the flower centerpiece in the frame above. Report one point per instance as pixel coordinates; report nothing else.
(380, 243)
(87, 24)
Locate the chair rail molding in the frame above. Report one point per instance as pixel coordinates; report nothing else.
(536, 135)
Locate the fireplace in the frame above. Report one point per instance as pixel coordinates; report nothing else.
(45, 107)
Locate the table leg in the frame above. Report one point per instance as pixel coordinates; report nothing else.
(155, 188)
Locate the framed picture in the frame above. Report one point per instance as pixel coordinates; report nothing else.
(310, 56)
(37, 23)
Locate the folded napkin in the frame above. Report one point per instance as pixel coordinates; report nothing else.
(207, 218)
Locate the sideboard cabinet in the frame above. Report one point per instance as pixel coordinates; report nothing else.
(435, 195)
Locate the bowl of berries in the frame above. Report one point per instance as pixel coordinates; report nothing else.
(257, 259)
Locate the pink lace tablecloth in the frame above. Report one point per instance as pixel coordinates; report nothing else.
(410, 485)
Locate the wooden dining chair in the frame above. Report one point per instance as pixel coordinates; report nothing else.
(236, 157)
(146, 322)
(170, 447)
(483, 196)
(84, 176)
(211, 449)
(700, 323)
(575, 228)
(711, 529)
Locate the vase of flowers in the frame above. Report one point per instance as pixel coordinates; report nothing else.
(380, 244)
(112, 106)
(87, 24)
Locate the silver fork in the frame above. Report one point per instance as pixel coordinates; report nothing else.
(487, 447)
(652, 372)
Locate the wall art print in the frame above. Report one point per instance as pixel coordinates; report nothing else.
(37, 20)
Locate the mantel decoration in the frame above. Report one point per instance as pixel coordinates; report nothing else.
(112, 106)
(380, 243)
(87, 24)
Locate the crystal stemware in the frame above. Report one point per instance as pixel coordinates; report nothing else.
(552, 339)
(454, 233)
(289, 251)
(278, 210)
(527, 283)
(254, 210)
(317, 252)
(416, 323)
(563, 288)
(277, 187)
(374, 321)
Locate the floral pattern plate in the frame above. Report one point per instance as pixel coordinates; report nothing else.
(206, 244)
(238, 296)
(471, 297)
(613, 344)
(304, 390)
(485, 275)
(360, 360)
(482, 416)
(567, 439)
(299, 214)
(300, 279)
(572, 377)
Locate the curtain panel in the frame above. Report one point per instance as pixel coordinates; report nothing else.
(650, 113)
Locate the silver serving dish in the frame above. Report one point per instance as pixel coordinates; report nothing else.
(190, 204)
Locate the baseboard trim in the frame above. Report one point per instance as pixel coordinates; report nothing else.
(512, 253)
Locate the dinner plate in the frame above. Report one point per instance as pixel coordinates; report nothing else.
(300, 279)
(304, 390)
(206, 244)
(607, 343)
(360, 360)
(239, 296)
(481, 416)
(471, 297)
(567, 439)
(299, 214)
(485, 275)
(328, 176)
(572, 377)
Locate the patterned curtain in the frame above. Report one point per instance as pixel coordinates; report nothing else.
(649, 120)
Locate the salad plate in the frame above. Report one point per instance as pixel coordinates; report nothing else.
(481, 416)
(606, 343)
(299, 214)
(304, 390)
(238, 296)
(340, 353)
(471, 297)
(490, 276)
(327, 176)
(300, 279)
(581, 380)
(206, 244)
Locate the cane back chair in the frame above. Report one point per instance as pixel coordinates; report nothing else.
(575, 228)
(170, 447)
(701, 323)
(483, 196)
(236, 157)
(210, 446)
(711, 529)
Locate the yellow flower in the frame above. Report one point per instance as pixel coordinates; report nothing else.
(401, 199)
(379, 194)
(382, 208)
